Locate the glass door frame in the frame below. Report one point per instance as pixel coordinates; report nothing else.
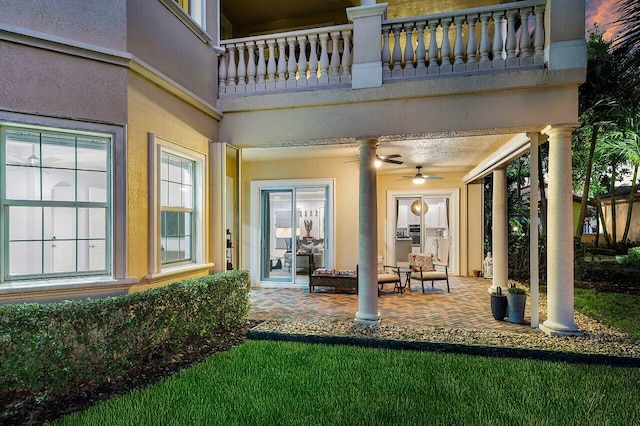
(256, 224)
(453, 195)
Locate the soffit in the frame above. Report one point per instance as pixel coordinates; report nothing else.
(436, 155)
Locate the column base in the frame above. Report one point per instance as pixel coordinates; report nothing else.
(367, 319)
(554, 329)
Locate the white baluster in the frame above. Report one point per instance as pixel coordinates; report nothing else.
(511, 37)
(324, 59)
(334, 65)
(538, 37)
(262, 66)
(346, 57)
(472, 45)
(396, 56)
(484, 41)
(386, 52)
(409, 51)
(282, 63)
(231, 70)
(251, 66)
(302, 61)
(421, 52)
(242, 68)
(433, 47)
(525, 37)
(313, 59)
(458, 46)
(498, 61)
(271, 65)
(222, 73)
(292, 64)
(445, 49)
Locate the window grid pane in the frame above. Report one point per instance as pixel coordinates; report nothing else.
(176, 195)
(55, 239)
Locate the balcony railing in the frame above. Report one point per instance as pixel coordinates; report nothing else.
(463, 41)
(485, 38)
(315, 57)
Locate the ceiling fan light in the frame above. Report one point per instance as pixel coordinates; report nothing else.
(418, 180)
(377, 163)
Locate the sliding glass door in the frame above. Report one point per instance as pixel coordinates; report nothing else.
(293, 232)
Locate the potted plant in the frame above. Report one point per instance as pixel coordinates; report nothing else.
(516, 298)
(498, 304)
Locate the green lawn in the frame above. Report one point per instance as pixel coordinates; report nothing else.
(276, 383)
(621, 311)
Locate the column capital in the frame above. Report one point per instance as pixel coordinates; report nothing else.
(554, 129)
(366, 11)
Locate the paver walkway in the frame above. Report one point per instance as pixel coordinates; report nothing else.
(466, 306)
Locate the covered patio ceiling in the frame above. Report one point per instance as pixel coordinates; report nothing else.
(436, 155)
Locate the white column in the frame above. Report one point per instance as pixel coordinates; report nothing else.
(499, 237)
(560, 235)
(534, 273)
(368, 237)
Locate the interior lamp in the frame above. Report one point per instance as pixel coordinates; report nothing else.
(33, 159)
(419, 207)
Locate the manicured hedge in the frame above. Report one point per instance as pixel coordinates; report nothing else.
(51, 347)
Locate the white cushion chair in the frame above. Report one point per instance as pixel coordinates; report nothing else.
(388, 275)
(424, 265)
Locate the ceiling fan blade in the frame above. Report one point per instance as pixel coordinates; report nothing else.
(387, 160)
(432, 177)
(386, 157)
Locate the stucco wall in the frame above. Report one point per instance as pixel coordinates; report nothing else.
(89, 21)
(483, 102)
(158, 38)
(43, 82)
(151, 110)
(346, 199)
(621, 219)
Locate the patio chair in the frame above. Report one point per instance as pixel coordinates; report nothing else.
(386, 275)
(424, 264)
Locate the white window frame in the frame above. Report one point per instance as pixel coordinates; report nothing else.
(157, 269)
(107, 205)
(197, 24)
(254, 249)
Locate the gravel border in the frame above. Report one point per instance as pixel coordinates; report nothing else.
(599, 343)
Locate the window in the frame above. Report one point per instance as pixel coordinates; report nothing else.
(55, 203)
(176, 209)
(193, 8)
(177, 196)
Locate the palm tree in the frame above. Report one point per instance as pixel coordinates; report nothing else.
(626, 143)
(627, 41)
(598, 101)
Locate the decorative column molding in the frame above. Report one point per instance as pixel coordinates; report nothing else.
(367, 56)
(560, 306)
(368, 237)
(499, 225)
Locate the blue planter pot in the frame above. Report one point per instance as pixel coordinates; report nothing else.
(498, 306)
(515, 307)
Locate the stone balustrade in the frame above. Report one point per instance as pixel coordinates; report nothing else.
(321, 56)
(470, 40)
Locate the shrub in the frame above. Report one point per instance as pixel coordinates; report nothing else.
(633, 256)
(519, 260)
(47, 348)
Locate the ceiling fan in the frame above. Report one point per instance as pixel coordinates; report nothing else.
(419, 178)
(383, 159)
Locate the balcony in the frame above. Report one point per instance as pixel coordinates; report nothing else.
(480, 40)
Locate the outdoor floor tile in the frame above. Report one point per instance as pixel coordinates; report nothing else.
(466, 306)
